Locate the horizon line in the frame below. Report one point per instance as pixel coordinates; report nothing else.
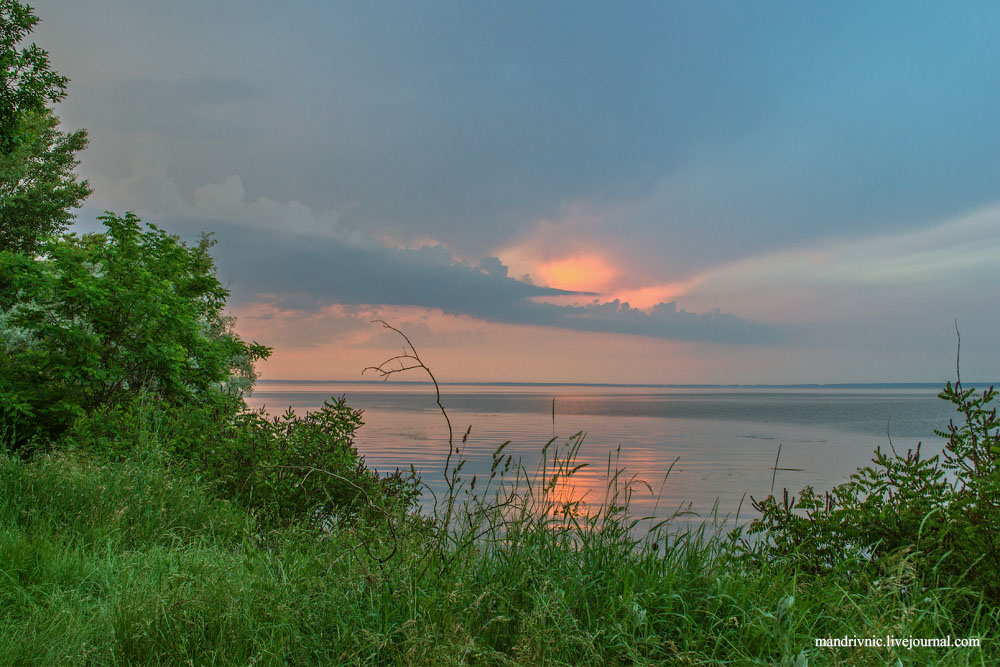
(795, 385)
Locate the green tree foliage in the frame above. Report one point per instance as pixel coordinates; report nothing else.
(26, 81)
(38, 188)
(97, 320)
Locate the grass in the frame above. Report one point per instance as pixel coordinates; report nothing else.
(140, 563)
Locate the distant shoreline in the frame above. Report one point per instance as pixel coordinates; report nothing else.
(846, 385)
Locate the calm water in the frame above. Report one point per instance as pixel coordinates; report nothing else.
(724, 441)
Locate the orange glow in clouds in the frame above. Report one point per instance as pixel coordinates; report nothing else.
(647, 297)
(584, 273)
(592, 272)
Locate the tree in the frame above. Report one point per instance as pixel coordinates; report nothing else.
(100, 319)
(26, 82)
(38, 188)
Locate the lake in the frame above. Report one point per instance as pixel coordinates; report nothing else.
(721, 441)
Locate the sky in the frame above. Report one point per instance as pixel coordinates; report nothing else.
(642, 192)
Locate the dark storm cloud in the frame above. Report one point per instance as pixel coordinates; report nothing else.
(308, 272)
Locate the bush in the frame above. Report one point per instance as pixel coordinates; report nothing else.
(293, 468)
(287, 469)
(939, 514)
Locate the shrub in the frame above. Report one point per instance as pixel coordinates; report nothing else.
(941, 513)
(301, 468)
(287, 469)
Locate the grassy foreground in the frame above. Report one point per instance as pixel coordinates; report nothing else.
(139, 562)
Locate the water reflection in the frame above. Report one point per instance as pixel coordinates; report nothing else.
(719, 446)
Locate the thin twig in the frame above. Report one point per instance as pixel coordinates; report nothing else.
(410, 360)
(889, 436)
(958, 358)
(418, 363)
(774, 472)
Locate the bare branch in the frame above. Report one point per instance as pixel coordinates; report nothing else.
(450, 473)
(958, 356)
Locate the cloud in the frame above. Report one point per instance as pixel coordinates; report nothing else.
(493, 128)
(264, 321)
(888, 300)
(664, 321)
(475, 122)
(955, 254)
(309, 272)
(297, 259)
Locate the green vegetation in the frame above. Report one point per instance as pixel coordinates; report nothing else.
(938, 515)
(95, 321)
(37, 181)
(38, 188)
(138, 560)
(146, 516)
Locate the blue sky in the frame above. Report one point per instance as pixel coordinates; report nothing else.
(781, 192)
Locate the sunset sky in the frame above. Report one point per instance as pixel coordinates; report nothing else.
(642, 192)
